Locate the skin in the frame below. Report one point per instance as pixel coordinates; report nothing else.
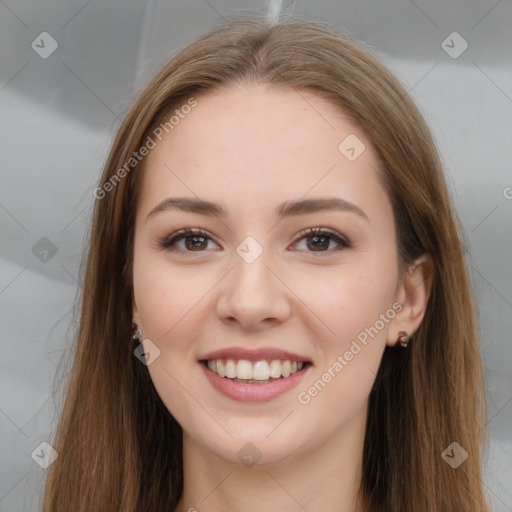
(251, 148)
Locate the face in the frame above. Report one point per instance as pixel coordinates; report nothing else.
(262, 275)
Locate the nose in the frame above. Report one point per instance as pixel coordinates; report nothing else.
(253, 296)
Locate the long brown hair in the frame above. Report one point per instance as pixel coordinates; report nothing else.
(121, 449)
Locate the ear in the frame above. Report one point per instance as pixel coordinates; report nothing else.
(413, 294)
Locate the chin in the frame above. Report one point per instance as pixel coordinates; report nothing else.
(255, 446)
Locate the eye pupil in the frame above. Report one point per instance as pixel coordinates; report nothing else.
(194, 244)
(321, 245)
(317, 240)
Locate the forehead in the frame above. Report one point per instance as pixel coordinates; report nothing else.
(254, 145)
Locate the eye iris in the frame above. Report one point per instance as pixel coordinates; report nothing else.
(316, 240)
(321, 245)
(195, 245)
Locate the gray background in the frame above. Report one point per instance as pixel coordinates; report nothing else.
(58, 117)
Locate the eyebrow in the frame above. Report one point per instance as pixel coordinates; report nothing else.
(286, 209)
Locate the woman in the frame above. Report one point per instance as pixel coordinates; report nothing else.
(276, 310)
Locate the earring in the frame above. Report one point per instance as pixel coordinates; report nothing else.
(138, 335)
(403, 338)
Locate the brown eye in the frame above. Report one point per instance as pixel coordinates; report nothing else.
(194, 241)
(319, 240)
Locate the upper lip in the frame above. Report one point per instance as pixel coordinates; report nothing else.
(254, 355)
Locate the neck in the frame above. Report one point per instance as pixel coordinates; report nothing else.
(325, 478)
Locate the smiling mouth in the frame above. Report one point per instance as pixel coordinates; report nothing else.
(255, 372)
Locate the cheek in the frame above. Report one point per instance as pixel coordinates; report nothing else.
(171, 302)
(347, 299)
(167, 295)
(353, 305)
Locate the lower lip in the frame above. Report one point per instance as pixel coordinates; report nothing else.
(253, 392)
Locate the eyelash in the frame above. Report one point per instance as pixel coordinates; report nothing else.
(342, 242)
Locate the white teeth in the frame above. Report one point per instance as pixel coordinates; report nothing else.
(286, 367)
(275, 369)
(221, 369)
(260, 370)
(257, 370)
(244, 369)
(231, 369)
